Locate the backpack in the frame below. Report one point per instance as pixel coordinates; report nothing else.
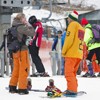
(13, 43)
(96, 33)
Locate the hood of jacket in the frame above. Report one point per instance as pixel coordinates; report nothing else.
(16, 22)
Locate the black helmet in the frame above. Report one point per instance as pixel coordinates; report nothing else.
(32, 20)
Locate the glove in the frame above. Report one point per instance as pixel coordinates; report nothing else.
(28, 40)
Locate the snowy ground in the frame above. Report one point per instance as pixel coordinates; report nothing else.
(90, 85)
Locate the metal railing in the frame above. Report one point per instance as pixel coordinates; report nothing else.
(2, 64)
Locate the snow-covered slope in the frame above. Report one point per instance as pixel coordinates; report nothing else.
(90, 85)
(86, 3)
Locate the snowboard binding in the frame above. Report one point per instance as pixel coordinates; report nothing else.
(52, 90)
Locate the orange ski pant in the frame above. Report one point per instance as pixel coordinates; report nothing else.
(20, 70)
(71, 67)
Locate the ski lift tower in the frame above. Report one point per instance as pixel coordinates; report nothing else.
(7, 7)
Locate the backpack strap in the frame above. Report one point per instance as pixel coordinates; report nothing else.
(18, 37)
(89, 28)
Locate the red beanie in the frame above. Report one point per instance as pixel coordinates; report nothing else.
(84, 21)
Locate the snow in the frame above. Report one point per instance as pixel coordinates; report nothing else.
(86, 3)
(94, 3)
(89, 85)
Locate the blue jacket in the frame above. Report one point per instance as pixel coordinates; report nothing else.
(56, 41)
(63, 38)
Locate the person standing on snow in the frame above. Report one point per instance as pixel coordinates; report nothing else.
(21, 57)
(35, 46)
(57, 46)
(72, 52)
(93, 48)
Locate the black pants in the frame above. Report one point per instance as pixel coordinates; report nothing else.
(34, 51)
(91, 53)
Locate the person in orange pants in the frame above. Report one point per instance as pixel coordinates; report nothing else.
(20, 57)
(21, 69)
(72, 52)
(71, 68)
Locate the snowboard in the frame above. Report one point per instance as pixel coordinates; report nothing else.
(34, 90)
(37, 90)
(80, 93)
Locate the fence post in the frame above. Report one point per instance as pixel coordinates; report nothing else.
(6, 57)
(53, 62)
(2, 63)
(59, 64)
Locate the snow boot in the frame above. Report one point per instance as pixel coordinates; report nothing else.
(35, 75)
(68, 93)
(12, 89)
(98, 74)
(86, 75)
(44, 74)
(93, 75)
(23, 91)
